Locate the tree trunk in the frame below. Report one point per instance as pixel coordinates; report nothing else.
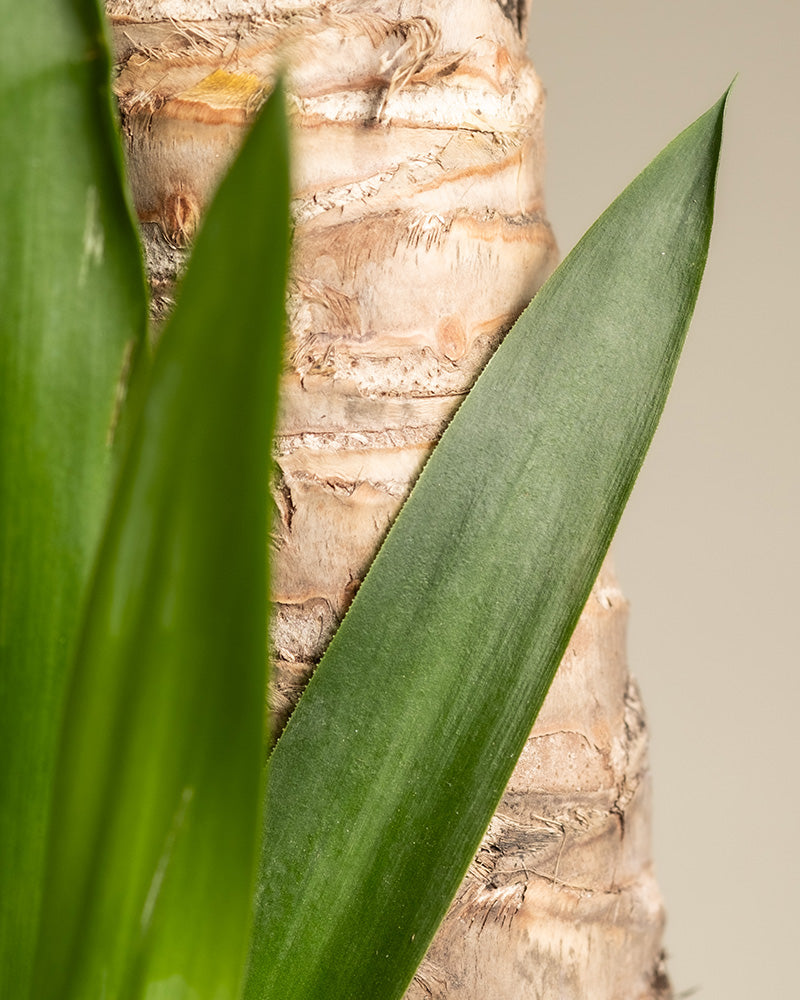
(420, 236)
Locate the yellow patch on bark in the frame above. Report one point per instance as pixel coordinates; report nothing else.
(220, 96)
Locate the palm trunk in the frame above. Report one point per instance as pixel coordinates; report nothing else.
(420, 236)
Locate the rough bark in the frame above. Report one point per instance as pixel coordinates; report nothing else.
(420, 235)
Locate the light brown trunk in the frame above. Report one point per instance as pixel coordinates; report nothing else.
(420, 236)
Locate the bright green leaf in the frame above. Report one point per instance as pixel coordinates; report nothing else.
(72, 300)
(157, 799)
(395, 759)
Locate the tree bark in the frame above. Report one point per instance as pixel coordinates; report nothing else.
(420, 236)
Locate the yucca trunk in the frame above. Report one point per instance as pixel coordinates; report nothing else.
(420, 235)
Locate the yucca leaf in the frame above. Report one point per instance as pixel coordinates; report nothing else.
(157, 800)
(72, 300)
(391, 766)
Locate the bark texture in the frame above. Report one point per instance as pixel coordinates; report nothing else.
(420, 236)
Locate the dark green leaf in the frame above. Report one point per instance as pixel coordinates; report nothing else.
(390, 769)
(72, 302)
(157, 798)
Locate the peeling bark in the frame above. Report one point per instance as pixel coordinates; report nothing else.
(420, 236)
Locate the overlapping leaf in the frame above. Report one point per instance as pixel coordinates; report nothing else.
(72, 299)
(156, 815)
(389, 771)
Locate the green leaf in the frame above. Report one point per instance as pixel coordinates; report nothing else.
(73, 306)
(157, 798)
(388, 773)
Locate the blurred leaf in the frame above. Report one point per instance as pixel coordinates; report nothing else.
(157, 799)
(388, 773)
(73, 300)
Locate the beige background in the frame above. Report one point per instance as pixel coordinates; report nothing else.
(707, 550)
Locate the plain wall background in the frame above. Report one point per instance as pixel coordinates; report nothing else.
(707, 551)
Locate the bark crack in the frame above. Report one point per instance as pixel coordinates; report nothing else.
(517, 13)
